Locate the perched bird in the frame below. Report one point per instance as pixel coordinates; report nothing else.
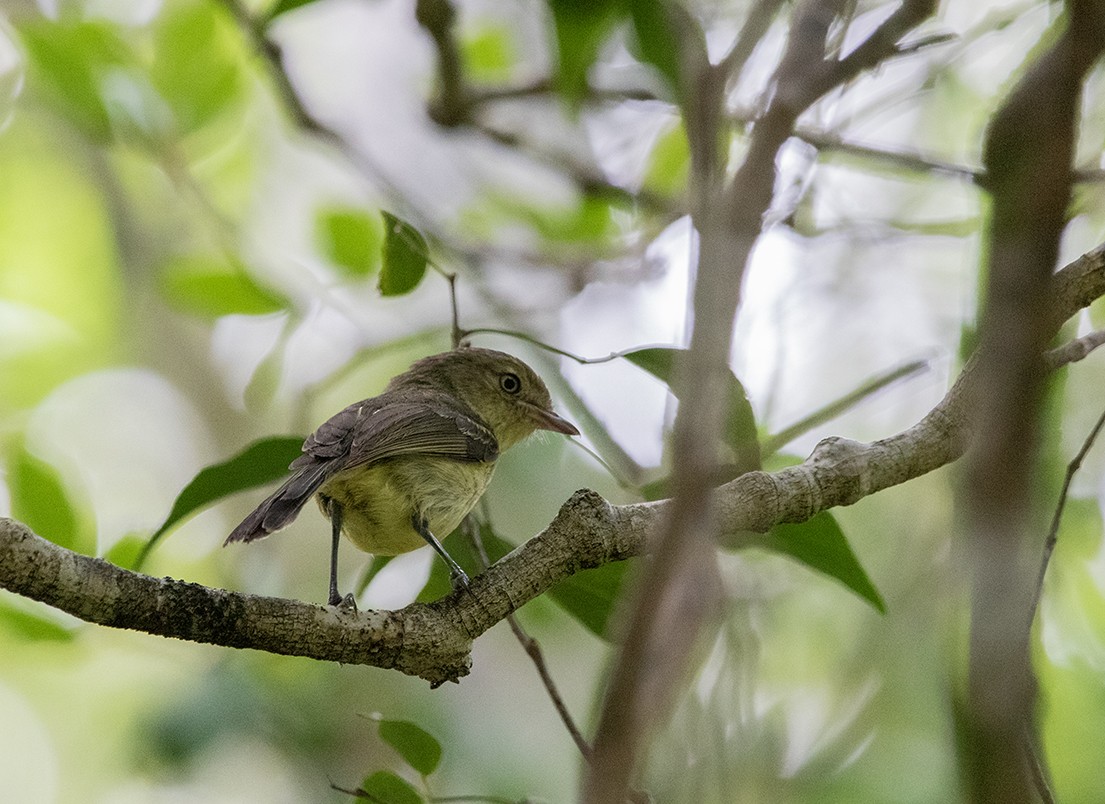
(396, 469)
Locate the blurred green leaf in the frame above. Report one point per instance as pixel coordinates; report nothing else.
(659, 361)
(264, 383)
(1069, 648)
(262, 386)
(284, 6)
(61, 292)
(656, 489)
(658, 42)
(196, 62)
(740, 422)
(40, 501)
(591, 595)
(418, 747)
(582, 27)
(350, 238)
(125, 552)
(819, 543)
(406, 255)
(260, 463)
(489, 54)
(590, 221)
(1073, 714)
(1074, 599)
(669, 163)
(209, 288)
(215, 705)
(780, 460)
(30, 626)
(69, 60)
(384, 787)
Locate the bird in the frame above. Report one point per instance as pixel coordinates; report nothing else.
(402, 469)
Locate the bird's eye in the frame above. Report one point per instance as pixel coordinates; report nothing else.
(510, 383)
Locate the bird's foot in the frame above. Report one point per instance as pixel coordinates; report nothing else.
(458, 579)
(347, 603)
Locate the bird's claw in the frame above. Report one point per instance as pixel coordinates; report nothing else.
(347, 603)
(458, 579)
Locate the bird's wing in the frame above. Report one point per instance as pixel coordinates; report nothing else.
(365, 433)
(368, 432)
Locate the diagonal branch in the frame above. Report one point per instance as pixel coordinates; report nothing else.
(433, 641)
(679, 590)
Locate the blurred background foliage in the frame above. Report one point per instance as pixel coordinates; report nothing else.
(193, 257)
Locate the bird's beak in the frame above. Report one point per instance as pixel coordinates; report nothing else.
(547, 420)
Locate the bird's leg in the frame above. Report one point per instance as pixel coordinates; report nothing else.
(334, 511)
(457, 576)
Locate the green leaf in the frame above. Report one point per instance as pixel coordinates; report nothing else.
(658, 42)
(488, 54)
(658, 489)
(582, 27)
(405, 257)
(384, 787)
(819, 543)
(209, 288)
(30, 626)
(39, 500)
(262, 386)
(69, 61)
(197, 64)
(591, 595)
(350, 238)
(418, 747)
(284, 6)
(586, 224)
(740, 422)
(125, 552)
(669, 164)
(258, 464)
(590, 221)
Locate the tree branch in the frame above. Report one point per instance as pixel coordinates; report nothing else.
(433, 641)
(680, 589)
(1028, 156)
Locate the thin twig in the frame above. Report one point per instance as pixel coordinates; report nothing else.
(544, 87)
(533, 650)
(1053, 531)
(530, 645)
(1075, 350)
(906, 160)
(458, 333)
(752, 32)
(585, 361)
(774, 443)
(1036, 767)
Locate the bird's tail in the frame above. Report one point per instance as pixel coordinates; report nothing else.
(281, 507)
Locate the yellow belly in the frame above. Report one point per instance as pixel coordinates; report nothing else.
(379, 502)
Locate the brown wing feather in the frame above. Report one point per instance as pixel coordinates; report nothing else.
(363, 434)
